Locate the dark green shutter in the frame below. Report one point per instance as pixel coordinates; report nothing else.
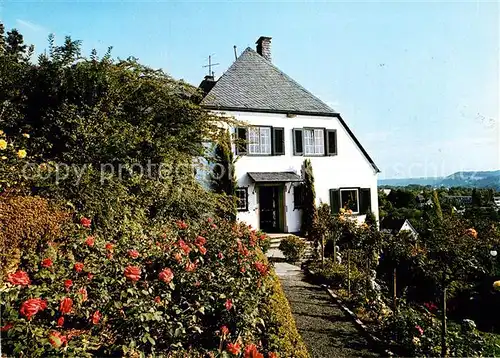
(298, 146)
(241, 141)
(335, 201)
(278, 141)
(331, 142)
(365, 200)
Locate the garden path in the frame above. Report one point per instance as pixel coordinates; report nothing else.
(325, 329)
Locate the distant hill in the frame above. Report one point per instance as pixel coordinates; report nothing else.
(484, 179)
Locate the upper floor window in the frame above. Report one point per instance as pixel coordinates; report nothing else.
(314, 141)
(260, 141)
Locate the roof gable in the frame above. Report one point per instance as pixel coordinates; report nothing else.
(252, 82)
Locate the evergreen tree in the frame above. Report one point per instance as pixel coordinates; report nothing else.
(224, 178)
(476, 198)
(370, 219)
(309, 212)
(437, 205)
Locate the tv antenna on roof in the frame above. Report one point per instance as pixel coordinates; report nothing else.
(210, 65)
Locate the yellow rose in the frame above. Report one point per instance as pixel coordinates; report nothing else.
(3, 144)
(1, 132)
(3, 157)
(26, 135)
(496, 285)
(21, 153)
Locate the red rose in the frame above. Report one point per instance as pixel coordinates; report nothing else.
(6, 327)
(229, 304)
(184, 247)
(190, 267)
(181, 225)
(224, 330)
(233, 348)
(220, 255)
(79, 267)
(85, 222)
(242, 269)
(252, 352)
(272, 355)
(90, 241)
(90, 276)
(20, 278)
(166, 275)
(83, 294)
(96, 317)
(133, 254)
(66, 305)
(157, 299)
(57, 339)
(68, 284)
(109, 246)
(133, 273)
(202, 250)
(262, 268)
(200, 240)
(214, 226)
(60, 321)
(47, 263)
(31, 307)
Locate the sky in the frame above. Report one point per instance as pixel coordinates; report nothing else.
(417, 82)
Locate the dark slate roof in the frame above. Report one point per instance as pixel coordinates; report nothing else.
(274, 177)
(252, 82)
(393, 225)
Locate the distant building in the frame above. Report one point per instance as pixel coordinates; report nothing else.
(496, 200)
(395, 226)
(458, 200)
(422, 201)
(386, 191)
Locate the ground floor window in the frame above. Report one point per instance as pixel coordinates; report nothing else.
(349, 199)
(242, 199)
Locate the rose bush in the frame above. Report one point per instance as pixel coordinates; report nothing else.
(184, 286)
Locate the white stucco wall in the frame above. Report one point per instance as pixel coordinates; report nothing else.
(349, 168)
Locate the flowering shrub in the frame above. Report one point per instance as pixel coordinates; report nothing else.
(156, 294)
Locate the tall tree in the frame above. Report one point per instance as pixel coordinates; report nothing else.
(309, 211)
(224, 180)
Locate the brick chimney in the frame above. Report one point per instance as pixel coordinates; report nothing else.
(264, 47)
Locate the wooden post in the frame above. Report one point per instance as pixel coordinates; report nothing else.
(443, 324)
(394, 291)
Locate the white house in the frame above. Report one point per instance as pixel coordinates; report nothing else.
(284, 125)
(395, 226)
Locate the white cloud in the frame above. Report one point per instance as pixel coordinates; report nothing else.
(28, 25)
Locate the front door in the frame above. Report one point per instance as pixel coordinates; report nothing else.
(269, 202)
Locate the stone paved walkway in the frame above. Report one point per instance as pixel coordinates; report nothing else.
(325, 329)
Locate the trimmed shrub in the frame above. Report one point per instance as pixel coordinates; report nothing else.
(282, 332)
(26, 224)
(293, 248)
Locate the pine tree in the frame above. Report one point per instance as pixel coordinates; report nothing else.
(309, 212)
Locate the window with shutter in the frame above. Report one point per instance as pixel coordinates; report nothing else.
(335, 201)
(365, 201)
(241, 141)
(298, 145)
(349, 200)
(278, 141)
(331, 141)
